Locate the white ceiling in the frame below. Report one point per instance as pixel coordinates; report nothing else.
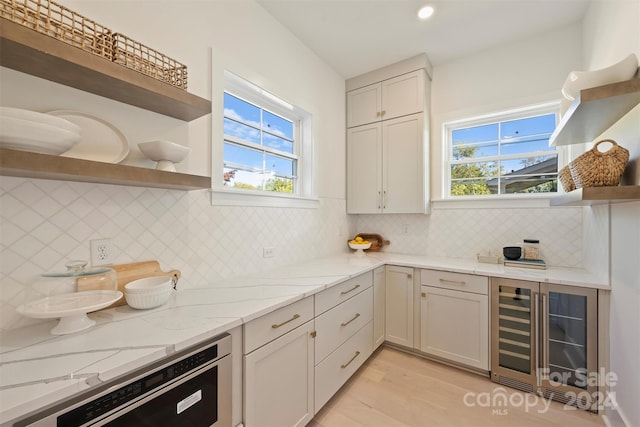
(356, 36)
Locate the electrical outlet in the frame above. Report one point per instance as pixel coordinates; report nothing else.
(268, 252)
(103, 252)
(405, 228)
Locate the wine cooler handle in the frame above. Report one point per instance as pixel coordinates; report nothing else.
(545, 328)
(536, 325)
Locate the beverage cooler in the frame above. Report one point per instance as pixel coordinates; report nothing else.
(544, 340)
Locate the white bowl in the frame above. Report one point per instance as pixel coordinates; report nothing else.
(147, 300)
(34, 116)
(149, 285)
(579, 80)
(26, 135)
(359, 245)
(166, 153)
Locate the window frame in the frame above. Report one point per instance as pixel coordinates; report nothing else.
(303, 196)
(496, 117)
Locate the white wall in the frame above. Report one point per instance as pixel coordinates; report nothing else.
(522, 72)
(612, 31)
(45, 223)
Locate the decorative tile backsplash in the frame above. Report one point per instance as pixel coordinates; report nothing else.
(462, 233)
(45, 223)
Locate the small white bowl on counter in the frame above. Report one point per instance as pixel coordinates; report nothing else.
(149, 292)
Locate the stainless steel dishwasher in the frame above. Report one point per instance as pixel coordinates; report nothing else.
(191, 388)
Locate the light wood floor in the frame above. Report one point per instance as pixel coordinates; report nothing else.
(394, 388)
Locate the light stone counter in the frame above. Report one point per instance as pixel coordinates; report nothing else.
(37, 369)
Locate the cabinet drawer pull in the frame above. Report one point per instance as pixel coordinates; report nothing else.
(350, 290)
(424, 295)
(351, 360)
(454, 282)
(295, 316)
(354, 318)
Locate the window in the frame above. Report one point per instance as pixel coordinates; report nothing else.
(502, 154)
(267, 142)
(259, 147)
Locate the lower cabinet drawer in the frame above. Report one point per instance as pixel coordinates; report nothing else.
(455, 281)
(338, 324)
(277, 323)
(338, 367)
(341, 292)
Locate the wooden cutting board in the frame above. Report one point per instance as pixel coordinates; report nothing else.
(126, 273)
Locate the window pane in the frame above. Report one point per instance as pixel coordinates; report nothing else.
(529, 165)
(470, 187)
(269, 140)
(244, 158)
(528, 126)
(241, 111)
(530, 184)
(280, 166)
(475, 151)
(526, 144)
(475, 134)
(474, 170)
(244, 132)
(277, 125)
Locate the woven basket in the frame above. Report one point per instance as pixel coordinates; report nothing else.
(599, 169)
(566, 180)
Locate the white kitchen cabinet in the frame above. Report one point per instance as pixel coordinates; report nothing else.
(344, 333)
(399, 305)
(454, 317)
(386, 172)
(387, 146)
(378, 306)
(279, 381)
(391, 98)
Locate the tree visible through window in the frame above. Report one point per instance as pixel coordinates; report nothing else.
(502, 156)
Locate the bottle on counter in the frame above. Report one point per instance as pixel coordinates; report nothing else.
(531, 249)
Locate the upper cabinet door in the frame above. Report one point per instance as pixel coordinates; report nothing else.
(364, 105)
(403, 95)
(364, 173)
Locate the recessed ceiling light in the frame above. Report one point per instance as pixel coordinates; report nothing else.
(425, 12)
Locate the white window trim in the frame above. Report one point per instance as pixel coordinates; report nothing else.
(304, 196)
(496, 200)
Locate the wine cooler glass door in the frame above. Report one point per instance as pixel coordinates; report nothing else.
(569, 336)
(514, 329)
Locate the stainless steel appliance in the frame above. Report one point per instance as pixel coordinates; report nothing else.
(191, 388)
(544, 340)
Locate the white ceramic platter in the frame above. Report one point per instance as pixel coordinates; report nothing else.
(71, 308)
(100, 141)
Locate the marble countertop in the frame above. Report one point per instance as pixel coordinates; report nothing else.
(37, 368)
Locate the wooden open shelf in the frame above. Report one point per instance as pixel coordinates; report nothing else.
(598, 196)
(28, 51)
(595, 110)
(45, 166)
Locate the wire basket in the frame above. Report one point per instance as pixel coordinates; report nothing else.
(141, 58)
(55, 20)
(600, 169)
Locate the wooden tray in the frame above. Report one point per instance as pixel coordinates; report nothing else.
(377, 241)
(126, 273)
